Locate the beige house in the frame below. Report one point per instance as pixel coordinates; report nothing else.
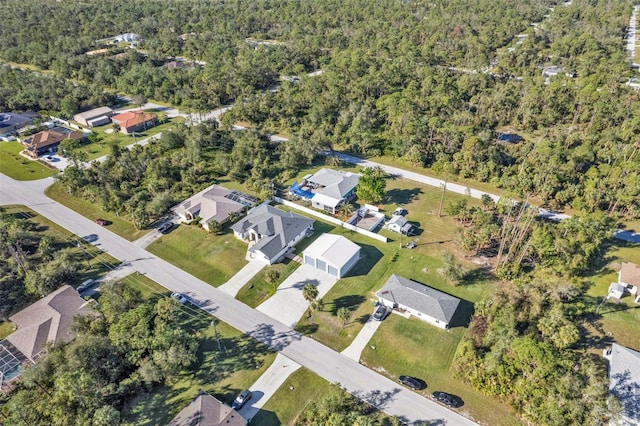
(94, 117)
(214, 203)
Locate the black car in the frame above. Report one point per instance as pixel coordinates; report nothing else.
(380, 313)
(241, 399)
(412, 382)
(165, 227)
(447, 399)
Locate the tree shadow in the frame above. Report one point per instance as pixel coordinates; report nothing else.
(402, 196)
(363, 319)
(593, 335)
(265, 418)
(307, 329)
(300, 284)
(476, 276)
(277, 341)
(351, 302)
(377, 398)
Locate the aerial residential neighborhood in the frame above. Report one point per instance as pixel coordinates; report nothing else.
(313, 213)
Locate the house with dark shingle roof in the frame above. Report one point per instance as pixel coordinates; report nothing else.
(624, 382)
(10, 122)
(206, 410)
(271, 232)
(424, 302)
(47, 320)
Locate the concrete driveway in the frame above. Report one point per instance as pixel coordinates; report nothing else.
(250, 270)
(267, 384)
(354, 350)
(288, 305)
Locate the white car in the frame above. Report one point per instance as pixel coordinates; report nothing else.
(182, 299)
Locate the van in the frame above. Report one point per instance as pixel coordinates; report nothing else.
(85, 285)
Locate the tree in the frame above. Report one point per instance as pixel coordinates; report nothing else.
(372, 184)
(272, 276)
(344, 314)
(310, 294)
(453, 270)
(214, 227)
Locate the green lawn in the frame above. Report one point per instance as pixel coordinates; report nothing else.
(6, 328)
(427, 353)
(222, 374)
(18, 167)
(146, 286)
(617, 321)
(212, 258)
(258, 289)
(284, 407)
(118, 225)
(95, 150)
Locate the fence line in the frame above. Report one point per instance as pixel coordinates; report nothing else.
(331, 219)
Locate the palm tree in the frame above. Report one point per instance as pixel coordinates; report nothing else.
(310, 293)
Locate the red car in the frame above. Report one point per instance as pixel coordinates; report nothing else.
(102, 222)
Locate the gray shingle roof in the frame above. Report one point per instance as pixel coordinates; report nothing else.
(624, 380)
(277, 228)
(336, 184)
(420, 297)
(206, 410)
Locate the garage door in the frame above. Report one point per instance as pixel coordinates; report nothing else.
(309, 261)
(321, 264)
(333, 271)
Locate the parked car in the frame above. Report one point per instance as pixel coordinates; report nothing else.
(398, 212)
(241, 399)
(412, 382)
(179, 297)
(165, 227)
(447, 399)
(86, 285)
(102, 222)
(411, 244)
(380, 313)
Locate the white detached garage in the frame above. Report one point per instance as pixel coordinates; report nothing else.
(332, 254)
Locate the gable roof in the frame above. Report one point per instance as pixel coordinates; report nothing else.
(132, 118)
(334, 249)
(93, 113)
(206, 410)
(47, 320)
(277, 228)
(397, 219)
(335, 184)
(420, 297)
(50, 137)
(213, 203)
(630, 273)
(624, 380)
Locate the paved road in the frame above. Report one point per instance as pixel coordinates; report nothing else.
(366, 384)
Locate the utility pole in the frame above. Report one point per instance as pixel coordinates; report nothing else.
(444, 188)
(215, 329)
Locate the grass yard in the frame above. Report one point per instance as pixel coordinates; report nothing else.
(286, 405)
(103, 147)
(212, 258)
(427, 353)
(258, 289)
(6, 328)
(617, 321)
(222, 374)
(93, 211)
(18, 167)
(146, 286)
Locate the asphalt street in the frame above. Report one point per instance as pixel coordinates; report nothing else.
(383, 393)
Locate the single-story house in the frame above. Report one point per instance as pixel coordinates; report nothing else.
(95, 117)
(629, 276)
(134, 121)
(399, 224)
(271, 232)
(10, 122)
(205, 410)
(616, 291)
(333, 254)
(428, 304)
(624, 382)
(214, 203)
(327, 189)
(47, 141)
(47, 320)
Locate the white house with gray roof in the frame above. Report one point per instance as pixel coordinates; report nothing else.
(328, 189)
(428, 304)
(271, 232)
(624, 382)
